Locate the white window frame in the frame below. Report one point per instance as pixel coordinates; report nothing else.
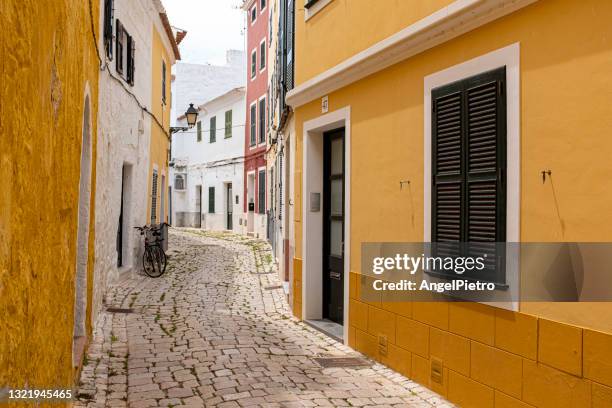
(318, 6)
(262, 9)
(251, 13)
(510, 58)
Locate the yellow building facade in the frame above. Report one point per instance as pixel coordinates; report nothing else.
(49, 75)
(371, 71)
(164, 54)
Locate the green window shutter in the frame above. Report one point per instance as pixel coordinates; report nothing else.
(468, 168)
(253, 125)
(228, 124)
(211, 200)
(262, 121)
(199, 131)
(213, 129)
(261, 196)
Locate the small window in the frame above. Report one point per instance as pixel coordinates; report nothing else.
(253, 64)
(253, 125)
(199, 131)
(228, 124)
(253, 14)
(262, 55)
(262, 120)
(164, 82)
(262, 5)
(180, 181)
(211, 200)
(261, 196)
(213, 129)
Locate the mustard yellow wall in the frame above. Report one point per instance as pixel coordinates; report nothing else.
(354, 25)
(47, 58)
(550, 355)
(159, 139)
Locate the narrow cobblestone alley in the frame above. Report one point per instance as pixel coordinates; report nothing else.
(216, 331)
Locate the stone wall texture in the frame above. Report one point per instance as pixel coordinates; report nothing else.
(48, 64)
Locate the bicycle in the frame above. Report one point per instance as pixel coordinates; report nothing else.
(154, 259)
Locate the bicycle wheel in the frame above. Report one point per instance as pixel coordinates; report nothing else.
(152, 262)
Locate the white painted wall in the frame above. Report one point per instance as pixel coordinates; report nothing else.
(200, 83)
(211, 165)
(124, 134)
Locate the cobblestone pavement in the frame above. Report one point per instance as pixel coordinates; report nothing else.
(211, 332)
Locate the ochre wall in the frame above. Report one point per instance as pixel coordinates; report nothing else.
(47, 57)
(159, 140)
(551, 354)
(345, 27)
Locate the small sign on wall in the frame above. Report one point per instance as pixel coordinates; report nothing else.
(324, 104)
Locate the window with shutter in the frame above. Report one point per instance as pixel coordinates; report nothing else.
(228, 124)
(262, 120)
(253, 63)
(119, 45)
(262, 55)
(468, 168)
(154, 198)
(211, 200)
(289, 45)
(280, 184)
(163, 84)
(130, 49)
(199, 131)
(253, 125)
(213, 129)
(109, 11)
(261, 196)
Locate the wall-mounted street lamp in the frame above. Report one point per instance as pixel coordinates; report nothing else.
(192, 116)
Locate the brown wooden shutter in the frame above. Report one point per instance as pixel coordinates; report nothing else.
(447, 177)
(108, 28)
(119, 47)
(132, 50)
(469, 166)
(128, 56)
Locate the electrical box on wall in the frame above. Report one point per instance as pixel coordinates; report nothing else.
(315, 202)
(437, 371)
(382, 345)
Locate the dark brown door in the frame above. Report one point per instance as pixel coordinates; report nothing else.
(333, 226)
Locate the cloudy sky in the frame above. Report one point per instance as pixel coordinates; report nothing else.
(213, 26)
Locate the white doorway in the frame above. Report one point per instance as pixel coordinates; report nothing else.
(312, 215)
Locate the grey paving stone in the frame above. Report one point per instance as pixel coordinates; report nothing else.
(207, 334)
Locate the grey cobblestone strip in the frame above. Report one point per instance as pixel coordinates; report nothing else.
(209, 334)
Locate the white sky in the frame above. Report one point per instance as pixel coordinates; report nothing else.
(213, 27)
